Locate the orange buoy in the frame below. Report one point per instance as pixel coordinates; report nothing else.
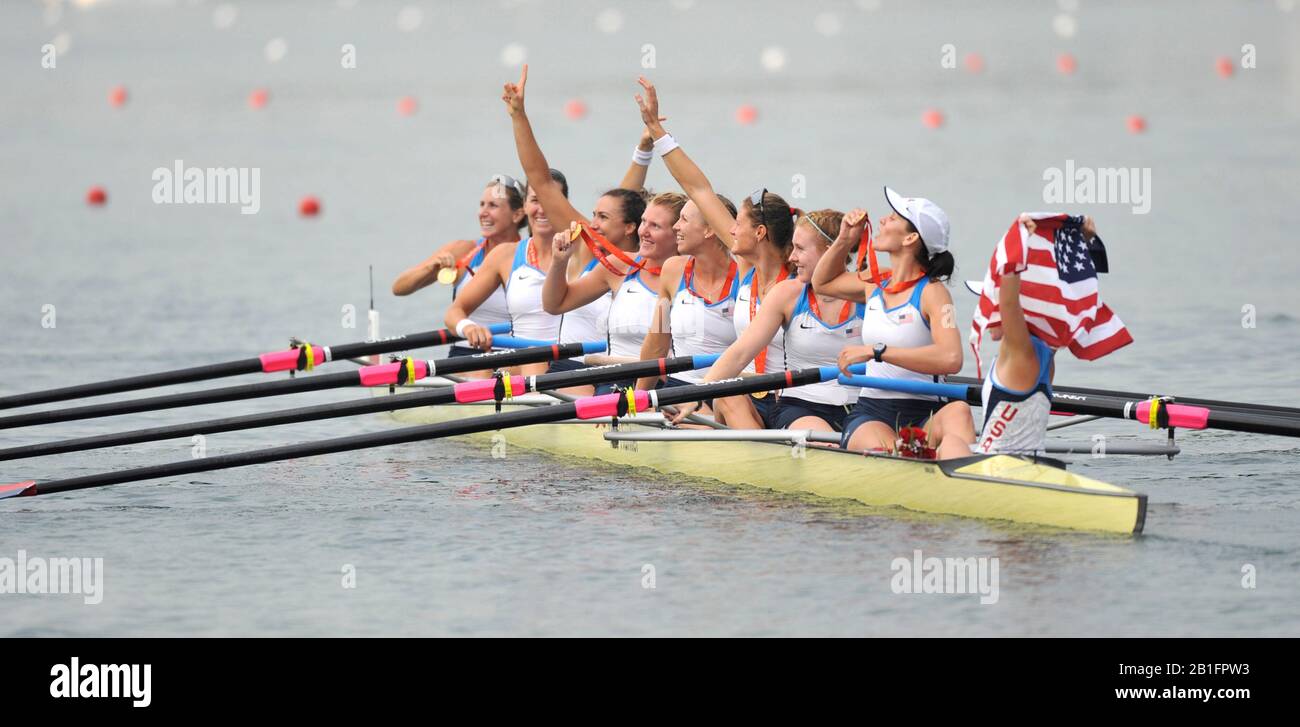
(117, 96)
(746, 115)
(258, 98)
(96, 196)
(933, 118)
(309, 206)
(1224, 67)
(974, 62)
(407, 105)
(1066, 64)
(1137, 124)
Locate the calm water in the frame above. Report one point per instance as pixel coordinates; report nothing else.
(444, 539)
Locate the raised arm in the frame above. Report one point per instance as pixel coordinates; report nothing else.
(634, 178)
(559, 295)
(422, 275)
(830, 277)
(688, 175)
(476, 291)
(536, 168)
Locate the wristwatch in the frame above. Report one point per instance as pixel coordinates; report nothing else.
(878, 352)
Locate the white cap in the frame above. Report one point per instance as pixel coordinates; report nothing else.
(930, 221)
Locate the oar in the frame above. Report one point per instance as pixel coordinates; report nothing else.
(298, 358)
(1158, 414)
(618, 404)
(390, 374)
(1222, 406)
(499, 389)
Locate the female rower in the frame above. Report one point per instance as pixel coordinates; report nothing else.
(500, 217)
(899, 332)
(1017, 395)
(816, 327)
(759, 236)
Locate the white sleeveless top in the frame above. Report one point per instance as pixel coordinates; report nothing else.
(591, 321)
(1016, 421)
(524, 299)
(810, 342)
(776, 349)
(494, 308)
(630, 316)
(900, 327)
(700, 328)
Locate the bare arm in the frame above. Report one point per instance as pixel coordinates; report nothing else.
(772, 315)
(684, 170)
(477, 291)
(943, 356)
(830, 277)
(425, 273)
(658, 342)
(559, 295)
(536, 168)
(634, 178)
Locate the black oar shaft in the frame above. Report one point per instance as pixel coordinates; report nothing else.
(1235, 421)
(446, 395)
(526, 417)
(319, 382)
(219, 370)
(1223, 406)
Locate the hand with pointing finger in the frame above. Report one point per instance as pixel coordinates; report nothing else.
(513, 94)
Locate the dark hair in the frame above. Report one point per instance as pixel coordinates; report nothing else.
(937, 267)
(778, 218)
(560, 179)
(731, 206)
(632, 204)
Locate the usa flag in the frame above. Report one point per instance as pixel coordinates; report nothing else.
(1058, 288)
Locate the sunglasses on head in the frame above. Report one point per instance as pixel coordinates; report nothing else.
(509, 181)
(756, 200)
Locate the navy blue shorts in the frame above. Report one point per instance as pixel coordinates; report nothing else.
(457, 350)
(766, 408)
(893, 413)
(790, 409)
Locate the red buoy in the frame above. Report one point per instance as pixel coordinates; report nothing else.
(258, 98)
(1224, 67)
(932, 118)
(407, 105)
(1137, 124)
(309, 206)
(575, 109)
(117, 96)
(974, 62)
(1066, 64)
(746, 115)
(96, 196)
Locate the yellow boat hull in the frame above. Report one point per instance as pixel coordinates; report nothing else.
(998, 487)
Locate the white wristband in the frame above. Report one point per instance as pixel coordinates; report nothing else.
(464, 323)
(642, 158)
(665, 144)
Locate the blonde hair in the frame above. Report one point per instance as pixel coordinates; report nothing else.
(674, 201)
(826, 222)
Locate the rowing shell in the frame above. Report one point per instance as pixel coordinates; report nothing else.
(991, 487)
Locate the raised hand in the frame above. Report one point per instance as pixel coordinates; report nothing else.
(851, 226)
(562, 244)
(649, 105)
(513, 94)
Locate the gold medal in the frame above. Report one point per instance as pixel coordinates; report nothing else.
(447, 276)
(575, 232)
(759, 394)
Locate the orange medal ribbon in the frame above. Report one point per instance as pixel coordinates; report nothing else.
(689, 275)
(760, 361)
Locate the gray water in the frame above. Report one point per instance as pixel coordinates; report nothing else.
(445, 540)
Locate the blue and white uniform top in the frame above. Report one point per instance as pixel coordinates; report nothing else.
(524, 299)
(701, 328)
(591, 321)
(811, 342)
(630, 316)
(902, 326)
(1016, 421)
(776, 349)
(494, 308)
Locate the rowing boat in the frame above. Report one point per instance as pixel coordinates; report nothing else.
(993, 487)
